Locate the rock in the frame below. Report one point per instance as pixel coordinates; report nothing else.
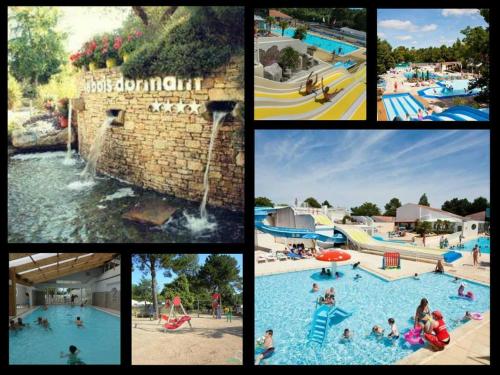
(273, 72)
(151, 211)
(41, 132)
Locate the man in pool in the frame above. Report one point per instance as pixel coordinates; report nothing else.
(355, 265)
(79, 322)
(268, 347)
(46, 324)
(73, 356)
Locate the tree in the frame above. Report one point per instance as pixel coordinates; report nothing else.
(423, 201)
(263, 202)
(283, 25)
(35, 48)
(366, 209)
(289, 58)
(14, 92)
(300, 33)
(392, 206)
(180, 287)
(327, 204)
(478, 205)
(385, 59)
(151, 264)
(270, 22)
(461, 207)
(423, 227)
(312, 202)
(220, 273)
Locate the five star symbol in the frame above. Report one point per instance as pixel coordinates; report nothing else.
(180, 106)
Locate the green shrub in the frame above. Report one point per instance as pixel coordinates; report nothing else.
(289, 58)
(300, 33)
(204, 41)
(14, 93)
(61, 85)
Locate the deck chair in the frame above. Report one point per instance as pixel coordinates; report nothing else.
(261, 259)
(174, 321)
(281, 256)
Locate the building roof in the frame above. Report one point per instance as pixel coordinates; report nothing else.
(384, 219)
(434, 209)
(277, 14)
(353, 31)
(257, 18)
(479, 216)
(35, 268)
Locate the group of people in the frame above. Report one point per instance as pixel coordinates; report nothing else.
(328, 272)
(328, 298)
(313, 86)
(432, 325)
(300, 249)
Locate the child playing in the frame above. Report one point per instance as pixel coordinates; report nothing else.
(415, 277)
(229, 314)
(377, 330)
(79, 322)
(268, 347)
(347, 335)
(394, 334)
(73, 356)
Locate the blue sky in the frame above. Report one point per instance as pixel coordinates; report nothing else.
(422, 28)
(349, 167)
(136, 275)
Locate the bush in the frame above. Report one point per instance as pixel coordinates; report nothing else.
(203, 42)
(289, 58)
(300, 33)
(61, 85)
(14, 92)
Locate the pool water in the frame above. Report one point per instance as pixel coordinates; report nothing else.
(483, 242)
(460, 88)
(98, 340)
(380, 238)
(328, 45)
(47, 203)
(421, 75)
(285, 304)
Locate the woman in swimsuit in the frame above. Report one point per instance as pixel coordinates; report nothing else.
(422, 316)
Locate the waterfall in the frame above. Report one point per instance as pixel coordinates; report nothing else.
(95, 150)
(68, 160)
(217, 119)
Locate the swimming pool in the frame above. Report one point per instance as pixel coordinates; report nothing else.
(328, 45)
(460, 88)
(421, 75)
(483, 242)
(380, 238)
(98, 340)
(285, 304)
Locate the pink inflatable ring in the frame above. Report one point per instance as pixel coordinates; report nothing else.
(412, 337)
(476, 316)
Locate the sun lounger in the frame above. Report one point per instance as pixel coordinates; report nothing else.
(270, 258)
(281, 256)
(261, 259)
(293, 256)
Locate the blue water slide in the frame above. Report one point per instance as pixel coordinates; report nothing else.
(472, 112)
(321, 318)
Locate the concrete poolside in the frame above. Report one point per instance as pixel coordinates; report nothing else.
(470, 342)
(209, 342)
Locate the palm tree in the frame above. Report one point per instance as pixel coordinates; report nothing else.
(283, 25)
(270, 21)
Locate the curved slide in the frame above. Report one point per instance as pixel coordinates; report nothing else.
(459, 113)
(348, 104)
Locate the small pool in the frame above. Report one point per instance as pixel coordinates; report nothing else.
(380, 238)
(47, 203)
(98, 341)
(328, 45)
(443, 90)
(483, 242)
(285, 304)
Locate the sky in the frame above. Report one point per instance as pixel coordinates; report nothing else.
(81, 23)
(421, 28)
(137, 274)
(350, 167)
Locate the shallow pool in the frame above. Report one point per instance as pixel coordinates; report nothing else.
(328, 45)
(483, 242)
(48, 203)
(457, 87)
(98, 340)
(285, 304)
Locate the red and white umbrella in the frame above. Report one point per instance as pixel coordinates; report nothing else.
(333, 256)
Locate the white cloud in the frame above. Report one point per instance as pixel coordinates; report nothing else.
(398, 25)
(414, 42)
(404, 37)
(430, 27)
(381, 34)
(459, 12)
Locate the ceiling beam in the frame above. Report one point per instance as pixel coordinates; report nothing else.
(68, 268)
(14, 256)
(46, 261)
(56, 266)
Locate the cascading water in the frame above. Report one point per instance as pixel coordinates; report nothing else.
(68, 160)
(202, 223)
(95, 150)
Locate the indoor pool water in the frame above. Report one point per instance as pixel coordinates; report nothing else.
(285, 304)
(483, 242)
(328, 45)
(98, 341)
(48, 203)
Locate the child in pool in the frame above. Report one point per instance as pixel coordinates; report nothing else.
(377, 330)
(347, 335)
(79, 322)
(461, 290)
(268, 346)
(73, 356)
(415, 277)
(315, 288)
(12, 325)
(358, 276)
(465, 318)
(394, 334)
(45, 324)
(21, 324)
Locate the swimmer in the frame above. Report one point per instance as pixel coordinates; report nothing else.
(315, 288)
(377, 330)
(394, 334)
(12, 325)
(39, 320)
(73, 356)
(328, 272)
(46, 324)
(415, 277)
(456, 279)
(357, 277)
(355, 265)
(347, 335)
(323, 272)
(337, 275)
(268, 347)
(20, 323)
(461, 290)
(79, 322)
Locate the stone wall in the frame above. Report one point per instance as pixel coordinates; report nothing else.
(168, 152)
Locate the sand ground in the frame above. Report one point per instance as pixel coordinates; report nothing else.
(209, 342)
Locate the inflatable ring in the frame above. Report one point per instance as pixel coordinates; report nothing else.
(412, 337)
(477, 316)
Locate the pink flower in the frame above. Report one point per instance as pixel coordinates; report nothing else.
(138, 33)
(118, 43)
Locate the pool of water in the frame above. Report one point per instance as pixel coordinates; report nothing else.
(328, 45)
(421, 75)
(483, 242)
(380, 238)
(48, 203)
(285, 304)
(98, 340)
(460, 88)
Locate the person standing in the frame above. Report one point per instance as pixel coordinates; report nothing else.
(476, 253)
